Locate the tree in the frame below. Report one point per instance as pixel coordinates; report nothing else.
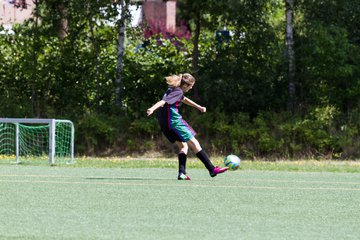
(123, 6)
(195, 12)
(290, 54)
(328, 53)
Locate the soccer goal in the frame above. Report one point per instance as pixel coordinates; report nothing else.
(36, 140)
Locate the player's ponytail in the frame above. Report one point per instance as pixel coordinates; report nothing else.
(174, 80)
(178, 80)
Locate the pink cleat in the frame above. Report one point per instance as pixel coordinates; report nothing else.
(218, 170)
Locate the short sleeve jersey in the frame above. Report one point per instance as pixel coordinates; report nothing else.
(173, 95)
(172, 98)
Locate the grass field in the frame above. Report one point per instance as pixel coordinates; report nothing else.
(82, 202)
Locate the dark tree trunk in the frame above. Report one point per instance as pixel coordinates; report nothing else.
(195, 55)
(290, 55)
(63, 24)
(97, 62)
(34, 95)
(120, 51)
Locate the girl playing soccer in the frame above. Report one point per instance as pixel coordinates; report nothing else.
(175, 128)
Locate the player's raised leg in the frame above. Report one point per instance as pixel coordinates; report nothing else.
(201, 154)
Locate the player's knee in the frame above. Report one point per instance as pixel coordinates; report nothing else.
(194, 145)
(183, 147)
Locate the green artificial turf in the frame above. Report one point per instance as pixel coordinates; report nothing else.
(40, 202)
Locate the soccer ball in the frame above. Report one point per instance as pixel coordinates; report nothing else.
(232, 162)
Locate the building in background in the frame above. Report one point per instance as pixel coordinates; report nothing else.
(157, 13)
(12, 11)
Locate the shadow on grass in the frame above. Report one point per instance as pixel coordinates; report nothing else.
(131, 179)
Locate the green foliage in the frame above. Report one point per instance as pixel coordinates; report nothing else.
(146, 67)
(241, 78)
(242, 73)
(100, 131)
(280, 135)
(143, 127)
(327, 66)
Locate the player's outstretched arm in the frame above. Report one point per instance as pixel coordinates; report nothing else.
(191, 103)
(154, 107)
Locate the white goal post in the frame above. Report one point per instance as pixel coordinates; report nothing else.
(31, 138)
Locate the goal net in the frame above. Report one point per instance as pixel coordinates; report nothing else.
(24, 140)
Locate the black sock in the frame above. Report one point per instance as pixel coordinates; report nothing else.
(205, 160)
(182, 162)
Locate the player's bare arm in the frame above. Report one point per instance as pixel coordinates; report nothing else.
(191, 103)
(155, 106)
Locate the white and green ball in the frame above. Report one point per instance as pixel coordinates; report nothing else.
(232, 162)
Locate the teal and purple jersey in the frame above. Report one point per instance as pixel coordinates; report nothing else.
(174, 127)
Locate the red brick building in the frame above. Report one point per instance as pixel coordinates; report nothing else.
(159, 12)
(12, 11)
(155, 12)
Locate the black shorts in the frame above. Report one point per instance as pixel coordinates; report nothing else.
(171, 135)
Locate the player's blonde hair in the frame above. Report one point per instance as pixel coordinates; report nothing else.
(178, 80)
